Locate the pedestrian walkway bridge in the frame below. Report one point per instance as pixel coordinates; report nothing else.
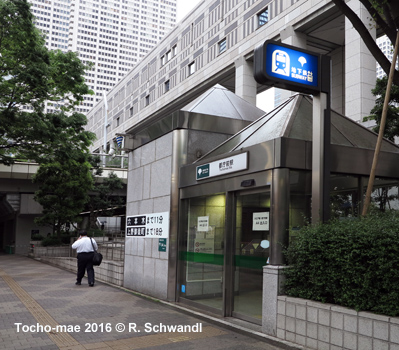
(18, 208)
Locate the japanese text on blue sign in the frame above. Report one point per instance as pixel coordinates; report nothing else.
(292, 65)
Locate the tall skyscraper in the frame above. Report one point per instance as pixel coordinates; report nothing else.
(112, 34)
(386, 47)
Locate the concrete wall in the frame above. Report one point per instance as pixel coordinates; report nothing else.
(29, 205)
(24, 226)
(149, 191)
(41, 252)
(108, 271)
(326, 326)
(360, 67)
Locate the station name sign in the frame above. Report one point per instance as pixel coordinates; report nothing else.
(222, 166)
(155, 225)
(287, 67)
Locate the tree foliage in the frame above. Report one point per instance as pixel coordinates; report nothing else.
(385, 14)
(392, 122)
(30, 75)
(104, 198)
(63, 193)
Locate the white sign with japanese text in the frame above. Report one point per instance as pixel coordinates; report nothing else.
(203, 224)
(260, 221)
(223, 166)
(155, 225)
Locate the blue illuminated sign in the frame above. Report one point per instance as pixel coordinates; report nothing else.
(292, 65)
(287, 67)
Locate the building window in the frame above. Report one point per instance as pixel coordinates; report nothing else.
(147, 100)
(168, 56)
(191, 68)
(174, 51)
(263, 17)
(167, 86)
(222, 45)
(117, 121)
(131, 112)
(162, 60)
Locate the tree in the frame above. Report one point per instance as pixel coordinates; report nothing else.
(30, 75)
(63, 193)
(104, 198)
(385, 14)
(392, 124)
(64, 176)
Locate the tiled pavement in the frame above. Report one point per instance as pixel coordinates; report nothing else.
(38, 300)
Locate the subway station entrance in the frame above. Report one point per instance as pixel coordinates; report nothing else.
(241, 203)
(221, 262)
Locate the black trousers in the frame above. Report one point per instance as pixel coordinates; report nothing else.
(85, 262)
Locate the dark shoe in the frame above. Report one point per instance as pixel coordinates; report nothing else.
(78, 283)
(91, 284)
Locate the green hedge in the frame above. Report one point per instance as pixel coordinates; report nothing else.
(37, 237)
(352, 263)
(55, 241)
(51, 241)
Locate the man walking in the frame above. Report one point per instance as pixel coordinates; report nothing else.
(84, 248)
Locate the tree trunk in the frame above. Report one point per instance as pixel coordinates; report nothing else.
(381, 132)
(367, 38)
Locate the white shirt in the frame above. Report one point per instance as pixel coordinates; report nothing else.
(83, 245)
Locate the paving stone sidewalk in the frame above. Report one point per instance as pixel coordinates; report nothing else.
(42, 308)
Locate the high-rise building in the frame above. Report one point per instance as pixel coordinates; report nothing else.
(113, 35)
(386, 47)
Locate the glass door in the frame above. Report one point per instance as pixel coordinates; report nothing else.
(201, 255)
(223, 246)
(251, 253)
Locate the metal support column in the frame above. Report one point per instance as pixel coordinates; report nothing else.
(321, 147)
(179, 157)
(280, 203)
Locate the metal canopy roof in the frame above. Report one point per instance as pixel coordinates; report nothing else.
(217, 110)
(221, 102)
(293, 120)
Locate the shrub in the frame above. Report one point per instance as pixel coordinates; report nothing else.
(51, 241)
(37, 237)
(352, 263)
(94, 232)
(66, 237)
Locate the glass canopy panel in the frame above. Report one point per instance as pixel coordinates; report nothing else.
(294, 119)
(358, 135)
(272, 128)
(263, 129)
(302, 123)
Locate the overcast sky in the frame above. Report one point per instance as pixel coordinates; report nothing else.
(184, 7)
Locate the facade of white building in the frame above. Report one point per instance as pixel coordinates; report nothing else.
(386, 47)
(113, 35)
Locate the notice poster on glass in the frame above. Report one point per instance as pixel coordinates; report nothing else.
(203, 223)
(204, 242)
(260, 221)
